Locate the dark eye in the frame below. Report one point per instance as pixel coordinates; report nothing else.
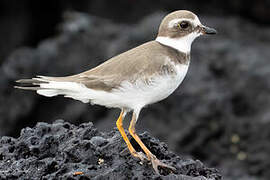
(184, 24)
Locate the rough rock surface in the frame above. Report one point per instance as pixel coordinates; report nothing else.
(220, 114)
(58, 150)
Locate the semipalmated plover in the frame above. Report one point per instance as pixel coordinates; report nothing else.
(134, 79)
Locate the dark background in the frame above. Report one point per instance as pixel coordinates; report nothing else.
(219, 115)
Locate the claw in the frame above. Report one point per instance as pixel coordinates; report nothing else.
(155, 163)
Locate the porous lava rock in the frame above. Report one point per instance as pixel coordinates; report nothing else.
(58, 150)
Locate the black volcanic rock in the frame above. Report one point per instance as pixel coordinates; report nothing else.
(58, 150)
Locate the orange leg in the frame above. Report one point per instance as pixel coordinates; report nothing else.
(155, 162)
(119, 124)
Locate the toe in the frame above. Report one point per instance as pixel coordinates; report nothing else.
(155, 163)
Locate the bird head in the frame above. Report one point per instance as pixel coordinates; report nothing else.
(180, 28)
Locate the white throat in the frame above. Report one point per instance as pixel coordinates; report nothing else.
(182, 44)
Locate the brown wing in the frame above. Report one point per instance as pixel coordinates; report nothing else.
(141, 61)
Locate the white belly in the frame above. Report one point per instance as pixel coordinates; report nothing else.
(140, 94)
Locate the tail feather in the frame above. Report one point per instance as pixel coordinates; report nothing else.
(48, 92)
(51, 86)
(27, 81)
(31, 84)
(27, 88)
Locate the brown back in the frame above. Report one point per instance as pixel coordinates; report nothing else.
(141, 62)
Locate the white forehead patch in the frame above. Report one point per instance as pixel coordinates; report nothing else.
(195, 21)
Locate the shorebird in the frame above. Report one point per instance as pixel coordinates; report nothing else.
(134, 79)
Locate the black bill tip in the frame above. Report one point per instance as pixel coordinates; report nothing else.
(208, 30)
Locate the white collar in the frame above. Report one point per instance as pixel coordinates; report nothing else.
(182, 44)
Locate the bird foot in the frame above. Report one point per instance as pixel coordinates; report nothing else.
(141, 156)
(156, 162)
(136, 154)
